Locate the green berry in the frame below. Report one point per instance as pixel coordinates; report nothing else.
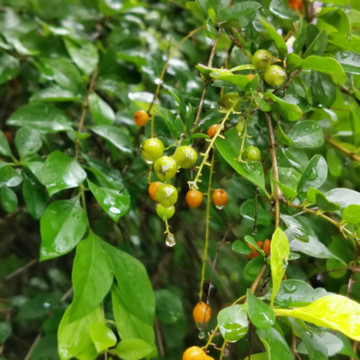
(253, 153)
(185, 157)
(240, 126)
(167, 195)
(275, 76)
(151, 150)
(230, 100)
(165, 168)
(261, 60)
(165, 213)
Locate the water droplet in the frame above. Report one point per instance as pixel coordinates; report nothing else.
(219, 207)
(201, 334)
(289, 288)
(149, 162)
(170, 240)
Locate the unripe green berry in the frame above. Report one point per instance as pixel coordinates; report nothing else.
(185, 157)
(166, 195)
(151, 150)
(253, 153)
(262, 60)
(165, 213)
(165, 168)
(230, 100)
(275, 76)
(240, 126)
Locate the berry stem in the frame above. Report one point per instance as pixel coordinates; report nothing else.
(223, 350)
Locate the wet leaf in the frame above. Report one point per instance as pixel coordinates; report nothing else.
(233, 322)
(260, 314)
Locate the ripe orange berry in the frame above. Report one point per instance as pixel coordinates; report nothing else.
(254, 253)
(153, 188)
(194, 198)
(266, 247)
(250, 76)
(202, 312)
(141, 117)
(220, 197)
(212, 130)
(194, 353)
(296, 5)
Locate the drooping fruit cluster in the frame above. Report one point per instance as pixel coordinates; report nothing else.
(264, 245)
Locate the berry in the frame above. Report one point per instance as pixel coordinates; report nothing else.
(266, 246)
(165, 168)
(194, 198)
(202, 312)
(165, 213)
(296, 5)
(240, 126)
(151, 150)
(253, 153)
(194, 353)
(220, 197)
(185, 157)
(230, 100)
(153, 188)
(167, 195)
(212, 130)
(261, 60)
(141, 117)
(317, 280)
(254, 253)
(275, 76)
(250, 76)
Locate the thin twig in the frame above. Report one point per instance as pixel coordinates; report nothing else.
(347, 152)
(28, 355)
(21, 269)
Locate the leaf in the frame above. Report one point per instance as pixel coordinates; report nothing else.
(4, 145)
(241, 247)
(252, 268)
(314, 175)
(211, 31)
(233, 322)
(102, 336)
(281, 9)
(5, 331)
(92, 277)
(335, 312)
(327, 65)
(9, 68)
(169, 308)
(229, 150)
(295, 227)
(322, 88)
(239, 80)
(290, 111)
(74, 339)
(35, 198)
(239, 9)
(258, 356)
(335, 18)
(115, 136)
(275, 345)
(351, 214)
(62, 226)
(278, 39)
(115, 204)
(61, 172)
(9, 199)
(350, 61)
(102, 113)
(40, 116)
(307, 135)
(248, 211)
(83, 53)
(260, 314)
(28, 141)
(260, 102)
(343, 197)
(133, 349)
(9, 177)
(317, 197)
(278, 262)
(336, 2)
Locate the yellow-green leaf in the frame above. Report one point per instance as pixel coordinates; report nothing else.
(335, 312)
(279, 254)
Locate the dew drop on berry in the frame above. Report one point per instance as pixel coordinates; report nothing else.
(170, 240)
(201, 334)
(219, 207)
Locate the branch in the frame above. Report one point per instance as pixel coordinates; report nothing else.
(347, 152)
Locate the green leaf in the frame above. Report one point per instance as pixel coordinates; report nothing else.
(114, 203)
(102, 336)
(41, 116)
(237, 10)
(275, 345)
(280, 8)
(233, 322)
(322, 88)
(4, 145)
(343, 197)
(283, 138)
(241, 247)
(278, 39)
(83, 53)
(260, 102)
(133, 349)
(278, 262)
(169, 308)
(9, 199)
(250, 240)
(317, 197)
(335, 312)
(74, 339)
(211, 31)
(35, 198)
(9, 68)
(335, 18)
(116, 136)
(315, 174)
(248, 211)
(319, 43)
(102, 113)
(260, 314)
(258, 356)
(295, 227)
(351, 214)
(290, 111)
(61, 172)
(229, 150)
(327, 65)
(350, 61)
(28, 141)
(92, 277)
(9, 177)
(336, 2)
(239, 80)
(46, 348)
(252, 268)
(5, 331)
(307, 135)
(62, 226)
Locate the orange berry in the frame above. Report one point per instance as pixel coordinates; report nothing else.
(266, 246)
(296, 5)
(250, 76)
(153, 188)
(141, 117)
(194, 353)
(212, 130)
(194, 198)
(202, 312)
(220, 197)
(254, 253)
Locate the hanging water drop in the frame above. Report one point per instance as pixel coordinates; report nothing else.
(201, 334)
(219, 207)
(170, 240)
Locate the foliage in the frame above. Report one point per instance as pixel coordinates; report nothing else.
(88, 269)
